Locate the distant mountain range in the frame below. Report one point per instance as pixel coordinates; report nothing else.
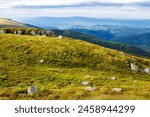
(68, 22)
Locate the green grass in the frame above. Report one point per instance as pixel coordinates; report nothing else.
(66, 64)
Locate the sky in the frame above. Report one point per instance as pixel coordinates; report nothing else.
(116, 9)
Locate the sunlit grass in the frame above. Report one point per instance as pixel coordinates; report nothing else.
(66, 64)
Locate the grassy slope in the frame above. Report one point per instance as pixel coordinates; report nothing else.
(8, 23)
(117, 46)
(66, 64)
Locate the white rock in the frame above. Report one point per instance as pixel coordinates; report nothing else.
(147, 70)
(89, 88)
(85, 83)
(42, 61)
(87, 76)
(60, 37)
(113, 78)
(122, 53)
(134, 67)
(32, 89)
(117, 90)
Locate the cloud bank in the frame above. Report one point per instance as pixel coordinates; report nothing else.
(124, 9)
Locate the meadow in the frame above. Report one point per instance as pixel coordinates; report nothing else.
(59, 66)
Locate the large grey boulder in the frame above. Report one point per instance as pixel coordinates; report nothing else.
(134, 67)
(32, 90)
(147, 70)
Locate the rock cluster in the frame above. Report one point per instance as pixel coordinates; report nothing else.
(34, 32)
(136, 68)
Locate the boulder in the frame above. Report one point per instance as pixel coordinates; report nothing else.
(147, 70)
(49, 33)
(85, 83)
(60, 37)
(134, 67)
(42, 32)
(117, 90)
(3, 31)
(33, 32)
(89, 88)
(15, 32)
(32, 90)
(19, 32)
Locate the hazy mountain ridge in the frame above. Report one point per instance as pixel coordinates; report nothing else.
(68, 22)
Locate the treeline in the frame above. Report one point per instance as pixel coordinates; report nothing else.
(117, 46)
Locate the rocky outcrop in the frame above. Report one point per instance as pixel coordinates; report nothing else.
(34, 32)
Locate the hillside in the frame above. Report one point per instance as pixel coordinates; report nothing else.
(8, 23)
(135, 36)
(92, 39)
(60, 67)
(139, 40)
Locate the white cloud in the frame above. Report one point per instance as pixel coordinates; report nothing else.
(7, 9)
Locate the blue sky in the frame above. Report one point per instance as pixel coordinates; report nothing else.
(118, 9)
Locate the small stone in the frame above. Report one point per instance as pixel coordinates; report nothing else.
(89, 88)
(147, 70)
(26, 52)
(122, 53)
(32, 89)
(42, 61)
(117, 90)
(113, 78)
(134, 67)
(135, 81)
(85, 83)
(87, 76)
(60, 37)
